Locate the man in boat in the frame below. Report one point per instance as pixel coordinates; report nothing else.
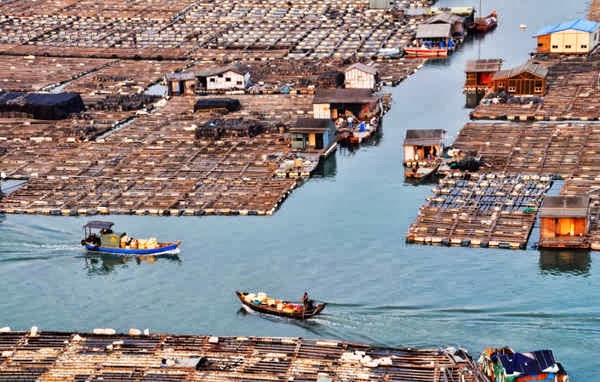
(307, 302)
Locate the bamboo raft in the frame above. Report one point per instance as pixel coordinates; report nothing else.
(60, 356)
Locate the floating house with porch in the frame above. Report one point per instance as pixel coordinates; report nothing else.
(578, 36)
(313, 134)
(422, 152)
(231, 77)
(336, 103)
(360, 76)
(181, 83)
(527, 79)
(564, 222)
(480, 73)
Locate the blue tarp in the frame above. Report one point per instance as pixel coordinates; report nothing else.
(526, 363)
(578, 25)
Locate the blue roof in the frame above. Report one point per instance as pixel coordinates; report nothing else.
(578, 25)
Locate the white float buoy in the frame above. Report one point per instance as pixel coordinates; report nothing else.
(522, 26)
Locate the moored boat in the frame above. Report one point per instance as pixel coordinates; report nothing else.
(100, 238)
(484, 24)
(504, 364)
(424, 51)
(261, 303)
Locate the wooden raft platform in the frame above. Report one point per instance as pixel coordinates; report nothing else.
(57, 356)
(480, 210)
(573, 94)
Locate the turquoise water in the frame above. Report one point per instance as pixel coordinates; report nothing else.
(341, 237)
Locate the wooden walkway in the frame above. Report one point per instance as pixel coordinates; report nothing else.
(60, 357)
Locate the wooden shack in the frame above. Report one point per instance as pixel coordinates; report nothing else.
(527, 79)
(335, 103)
(480, 73)
(181, 83)
(424, 144)
(456, 22)
(564, 221)
(360, 76)
(232, 77)
(310, 133)
(577, 36)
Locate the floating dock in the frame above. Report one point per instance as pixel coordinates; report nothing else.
(572, 94)
(61, 356)
(480, 210)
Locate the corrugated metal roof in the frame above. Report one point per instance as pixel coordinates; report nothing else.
(565, 206)
(484, 65)
(433, 31)
(237, 68)
(577, 24)
(535, 69)
(310, 125)
(446, 17)
(180, 76)
(344, 96)
(424, 137)
(362, 67)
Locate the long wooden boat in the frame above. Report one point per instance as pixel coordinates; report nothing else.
(278, 307)
(99, 238)
(426, 52)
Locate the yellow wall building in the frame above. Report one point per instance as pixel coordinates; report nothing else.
(577, 36)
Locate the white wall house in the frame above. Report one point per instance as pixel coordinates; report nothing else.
(577, 36)
(360, 76)
(232, 77)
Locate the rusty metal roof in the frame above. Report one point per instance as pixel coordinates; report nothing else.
(535, 69)
(55, 356)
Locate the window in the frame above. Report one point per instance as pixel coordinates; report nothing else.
(554, 46)
(583, 46)
(501, 85)
(212, 80)
(512, 89)
(567, 46)
(540, 44)
(238, 82)
(220, 75)
(227, 79)
(537, 89)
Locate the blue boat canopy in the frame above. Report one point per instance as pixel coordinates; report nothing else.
(577, 24)
(527, 363)
(98, 224)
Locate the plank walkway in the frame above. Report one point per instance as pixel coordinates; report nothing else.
(58, 356)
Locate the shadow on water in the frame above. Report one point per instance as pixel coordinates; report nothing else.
(326, 168)
(100, 265)
(571, 262)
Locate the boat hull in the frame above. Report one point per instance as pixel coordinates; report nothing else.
(170, 249)
(424, 52)
(272, 311)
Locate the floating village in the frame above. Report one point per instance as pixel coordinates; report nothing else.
(198, 107)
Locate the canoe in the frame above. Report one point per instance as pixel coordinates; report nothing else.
(98, 237)
(272, 309)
